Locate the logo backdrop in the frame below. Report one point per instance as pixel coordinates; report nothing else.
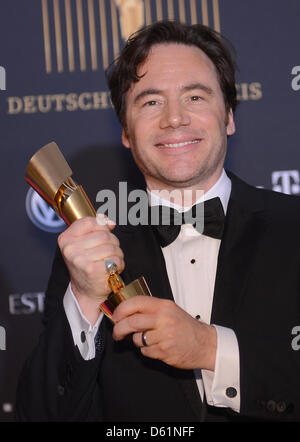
(52, 88)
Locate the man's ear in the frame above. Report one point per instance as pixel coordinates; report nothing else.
(230, 123)
(125, 140)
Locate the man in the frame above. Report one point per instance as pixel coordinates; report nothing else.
(226, 340)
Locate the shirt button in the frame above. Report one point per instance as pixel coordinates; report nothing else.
(193, 261)
(197, 317)
(82, 336)
(231, 392)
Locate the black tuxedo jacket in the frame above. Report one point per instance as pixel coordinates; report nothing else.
(257, 294)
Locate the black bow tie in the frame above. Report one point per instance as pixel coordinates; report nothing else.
(208, 218)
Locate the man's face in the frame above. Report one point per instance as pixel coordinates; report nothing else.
(176, 123)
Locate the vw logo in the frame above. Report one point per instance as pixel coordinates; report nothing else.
(41, 214)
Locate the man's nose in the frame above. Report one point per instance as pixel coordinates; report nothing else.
(174, 115)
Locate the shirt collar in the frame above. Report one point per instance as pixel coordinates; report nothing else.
(221, 189)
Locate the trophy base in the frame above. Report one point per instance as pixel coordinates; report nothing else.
(135, 288)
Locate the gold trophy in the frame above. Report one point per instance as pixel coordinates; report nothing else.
(50, 175)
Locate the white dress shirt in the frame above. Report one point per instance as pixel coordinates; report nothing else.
(191, 262)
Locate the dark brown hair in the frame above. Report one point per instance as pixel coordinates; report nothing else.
(123, 71)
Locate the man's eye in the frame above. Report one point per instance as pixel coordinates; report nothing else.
(150, 103)
(196, 98)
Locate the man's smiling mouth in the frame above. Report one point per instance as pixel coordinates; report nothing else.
(180, 144)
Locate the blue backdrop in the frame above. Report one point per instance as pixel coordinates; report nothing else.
(52, 88)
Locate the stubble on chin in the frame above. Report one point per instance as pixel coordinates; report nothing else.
(174, 176)
(201, 177)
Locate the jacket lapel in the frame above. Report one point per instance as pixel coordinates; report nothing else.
(143, 257)
(244, 227)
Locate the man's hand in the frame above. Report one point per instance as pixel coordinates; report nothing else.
(172, 335)
(85, 246)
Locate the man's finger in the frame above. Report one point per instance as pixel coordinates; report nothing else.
(138, 304)
(153, 352)
(103, 220)
(85, 225)
(145, 338)
(133, 324)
